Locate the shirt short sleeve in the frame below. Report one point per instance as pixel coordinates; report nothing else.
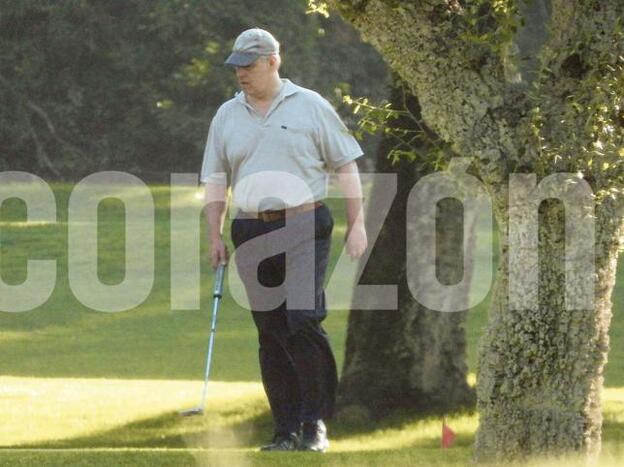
(337, 145)
(215, 168)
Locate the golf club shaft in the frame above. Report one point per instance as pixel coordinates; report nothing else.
(215, 309)
(218, 291)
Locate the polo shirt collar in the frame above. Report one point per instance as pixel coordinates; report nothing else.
(288, 89)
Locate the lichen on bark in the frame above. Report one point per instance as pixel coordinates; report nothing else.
(540, 371)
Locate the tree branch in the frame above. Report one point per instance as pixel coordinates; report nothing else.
(42, 155)
(51, 127)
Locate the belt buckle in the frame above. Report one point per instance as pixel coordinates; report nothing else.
(269, 216)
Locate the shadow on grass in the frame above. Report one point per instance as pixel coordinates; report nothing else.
(612, 429)
(241, 438)
(170, 430)
(399, 420)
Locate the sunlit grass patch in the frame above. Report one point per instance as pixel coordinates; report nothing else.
(139, 416)
(41, 410)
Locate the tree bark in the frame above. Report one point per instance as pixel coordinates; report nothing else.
(411, 358)
(540, 371)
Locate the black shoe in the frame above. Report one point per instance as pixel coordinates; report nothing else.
(288, 442)
(314, 437)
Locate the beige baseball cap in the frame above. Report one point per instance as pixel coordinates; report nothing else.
(250, 45)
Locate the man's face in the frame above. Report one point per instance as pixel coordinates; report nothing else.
(255, 77)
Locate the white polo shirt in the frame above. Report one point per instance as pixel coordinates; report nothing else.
(280, 159)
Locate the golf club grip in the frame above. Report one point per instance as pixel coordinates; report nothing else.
(218, 288)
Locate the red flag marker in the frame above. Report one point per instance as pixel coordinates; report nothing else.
(448, 435)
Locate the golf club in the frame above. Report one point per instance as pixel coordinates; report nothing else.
(217, 294)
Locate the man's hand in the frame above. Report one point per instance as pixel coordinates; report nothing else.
(356, 241)
(218, 252)
(349, 181)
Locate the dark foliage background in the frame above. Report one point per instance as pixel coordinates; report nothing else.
(89, 85)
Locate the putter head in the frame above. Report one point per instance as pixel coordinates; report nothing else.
(191, 412)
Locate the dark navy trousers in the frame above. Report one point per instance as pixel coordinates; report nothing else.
(296, 361)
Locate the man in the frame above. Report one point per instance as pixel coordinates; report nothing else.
(275, 143)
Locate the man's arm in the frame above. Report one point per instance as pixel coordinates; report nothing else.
(216, 199)
(351, 187)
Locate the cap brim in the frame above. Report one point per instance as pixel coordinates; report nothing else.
(241, 58)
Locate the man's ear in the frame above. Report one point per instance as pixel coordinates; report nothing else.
(274, 62)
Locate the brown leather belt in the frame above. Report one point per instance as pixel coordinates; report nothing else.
(270, 216)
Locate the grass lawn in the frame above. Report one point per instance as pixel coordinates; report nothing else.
(83, 387)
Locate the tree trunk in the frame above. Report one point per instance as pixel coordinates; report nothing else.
(540, 371)
(560, 110)
(411, 358)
